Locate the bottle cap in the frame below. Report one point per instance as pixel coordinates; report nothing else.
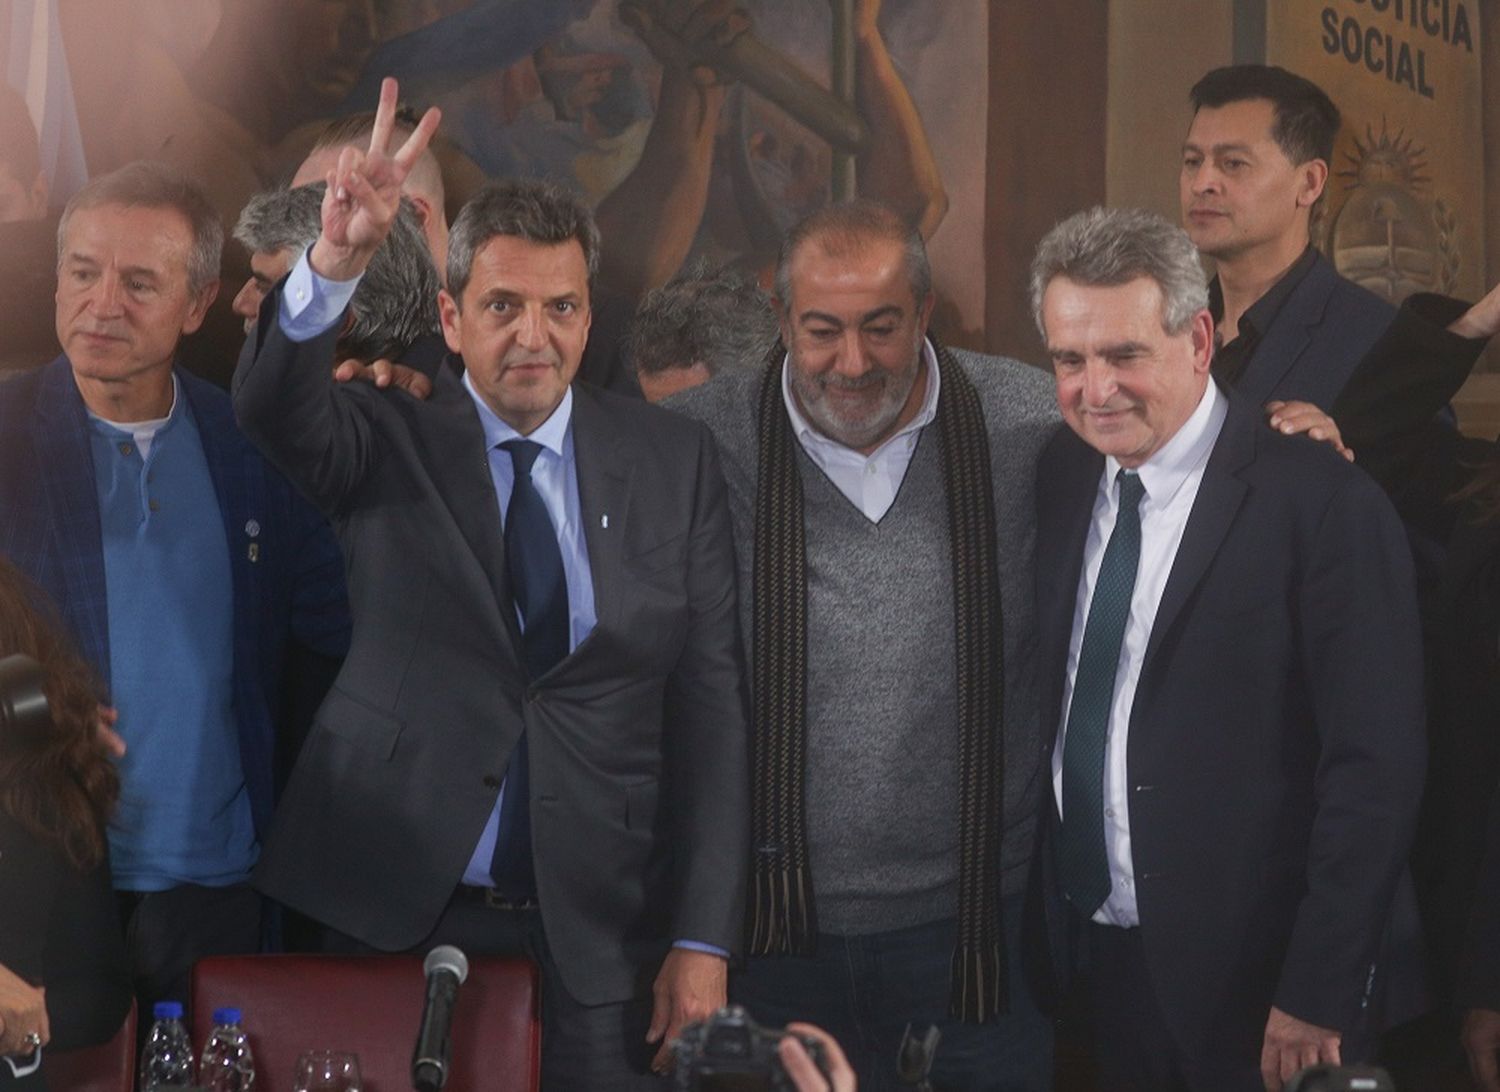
(167, 1010)
(226, 1016)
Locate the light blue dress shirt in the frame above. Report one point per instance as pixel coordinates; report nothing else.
(556, 479)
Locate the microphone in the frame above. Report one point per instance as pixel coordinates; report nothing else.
(446, 969)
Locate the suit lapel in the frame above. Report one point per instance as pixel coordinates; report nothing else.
(1291, 331)
(60, 433)
(1220, 495)
(1064, 509)
(240, 489)
(605, 465)
(460, 470)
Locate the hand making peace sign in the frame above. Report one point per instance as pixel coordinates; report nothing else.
(364, 192)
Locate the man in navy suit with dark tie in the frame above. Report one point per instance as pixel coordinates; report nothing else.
(1230, 653)
(537, 743)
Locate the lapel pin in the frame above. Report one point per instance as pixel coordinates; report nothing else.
(252, 527)
(254, 551)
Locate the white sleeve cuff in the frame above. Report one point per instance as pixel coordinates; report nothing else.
(310, 304)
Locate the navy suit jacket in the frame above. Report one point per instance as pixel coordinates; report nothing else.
(290, 583)
(1313, 345)
(1275, 748)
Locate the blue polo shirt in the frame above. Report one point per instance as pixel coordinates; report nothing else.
(184, 812)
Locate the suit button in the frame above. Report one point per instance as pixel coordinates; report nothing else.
(491, 781)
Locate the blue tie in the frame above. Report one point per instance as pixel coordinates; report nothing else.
(541, 593)
(1082, 860)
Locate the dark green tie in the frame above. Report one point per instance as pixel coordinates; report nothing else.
(1082, 860)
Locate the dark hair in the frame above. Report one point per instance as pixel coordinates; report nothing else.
(845, 228)
(718, 318)
(63, 789)
(355, 129)
(522, 208)
(350, 128)
(144, 184)
(1306, 120)
(19, 153)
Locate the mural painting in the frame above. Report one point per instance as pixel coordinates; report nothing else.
(697, 128)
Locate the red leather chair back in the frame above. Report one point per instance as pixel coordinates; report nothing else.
(372, 1005)
(108, 1067)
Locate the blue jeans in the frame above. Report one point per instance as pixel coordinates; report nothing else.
(864, 990)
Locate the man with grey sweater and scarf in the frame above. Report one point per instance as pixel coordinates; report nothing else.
(881, 495)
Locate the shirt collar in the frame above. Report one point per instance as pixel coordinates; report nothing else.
(552, 433)
(1260, 314)
(809, 436)
(1164, 473)
(137, 428)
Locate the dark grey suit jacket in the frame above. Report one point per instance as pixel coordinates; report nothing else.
(638, 741)
(1275, 751)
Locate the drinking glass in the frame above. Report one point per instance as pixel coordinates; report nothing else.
(327, 1071)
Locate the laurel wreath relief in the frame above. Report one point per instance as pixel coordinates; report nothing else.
(1446, 221)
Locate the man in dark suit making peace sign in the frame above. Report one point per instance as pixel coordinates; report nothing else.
(538, 740)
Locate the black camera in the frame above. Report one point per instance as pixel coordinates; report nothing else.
(1334, 1078)
(23, 699)
(729, 1052)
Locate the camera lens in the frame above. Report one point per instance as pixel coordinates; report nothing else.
(23, 701)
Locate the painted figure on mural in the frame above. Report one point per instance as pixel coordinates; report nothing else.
(681, 152)
(635, 103)
(210, 87)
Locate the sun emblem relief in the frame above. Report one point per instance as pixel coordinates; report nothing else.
(1389, 236)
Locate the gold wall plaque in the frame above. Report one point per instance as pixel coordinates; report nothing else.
(1405, 205)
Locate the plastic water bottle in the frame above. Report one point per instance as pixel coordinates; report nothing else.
(167, 1060)
(227, 1064)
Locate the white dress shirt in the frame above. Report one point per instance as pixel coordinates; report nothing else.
(1171, 478)
(870, 482)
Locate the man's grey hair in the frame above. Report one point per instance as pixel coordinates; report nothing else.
(846, 228)
(281, 219)
(522, 208)
(144, 184)
(396, 301)
(1106, 247)
(718, 318)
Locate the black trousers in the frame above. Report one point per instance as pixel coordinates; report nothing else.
(167, 931)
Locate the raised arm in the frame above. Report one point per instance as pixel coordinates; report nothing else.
(649, 220)
(283, 388)
(897, 167)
